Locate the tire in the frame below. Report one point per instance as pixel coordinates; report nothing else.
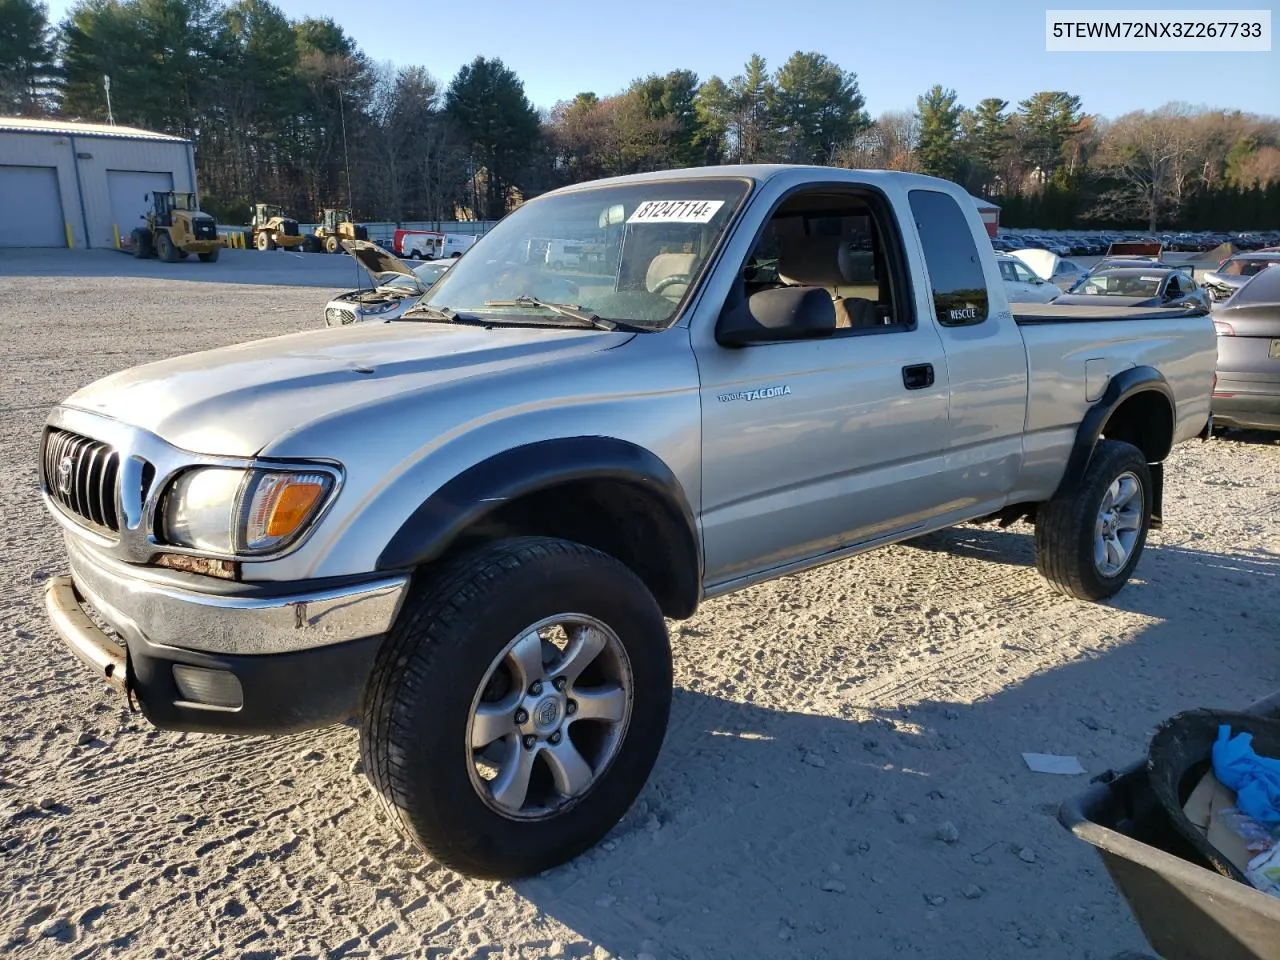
(446, 650)
(142, 244)
(210, 257)
(182, 254)
(331, 245)
(311, 245)
(263, 241)
(1069, 527)
(165, 249)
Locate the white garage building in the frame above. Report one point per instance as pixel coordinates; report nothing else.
(68, 184)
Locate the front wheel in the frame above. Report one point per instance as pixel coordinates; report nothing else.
(516, 708)
(1088, 540)
(330, 244)
(209, 257)
(165, 249)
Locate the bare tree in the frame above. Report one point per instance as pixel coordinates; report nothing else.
(1148, 158)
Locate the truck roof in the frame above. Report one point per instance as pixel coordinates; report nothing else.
(762, 172)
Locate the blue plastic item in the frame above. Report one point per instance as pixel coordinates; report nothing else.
(1255, 779)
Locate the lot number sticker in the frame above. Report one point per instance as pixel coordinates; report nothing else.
(675, 211)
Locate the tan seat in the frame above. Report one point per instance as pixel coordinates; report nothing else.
(666, 265)
(817, 262)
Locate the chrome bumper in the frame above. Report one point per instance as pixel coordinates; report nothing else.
(246, 619)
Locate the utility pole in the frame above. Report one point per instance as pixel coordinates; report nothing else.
(351, 203)
(106, 83)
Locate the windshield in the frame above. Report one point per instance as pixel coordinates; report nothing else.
(629, 253)
(1123, 283)
(429, 273)
(1242, 267)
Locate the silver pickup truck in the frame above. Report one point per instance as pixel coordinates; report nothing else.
(466, 527)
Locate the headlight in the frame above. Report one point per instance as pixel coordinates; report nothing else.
(373, 309)
(233, 512)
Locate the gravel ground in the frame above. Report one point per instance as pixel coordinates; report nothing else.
(842, 776)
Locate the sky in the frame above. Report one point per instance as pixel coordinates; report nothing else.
(981, 48)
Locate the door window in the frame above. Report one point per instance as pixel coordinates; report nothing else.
(843, 242)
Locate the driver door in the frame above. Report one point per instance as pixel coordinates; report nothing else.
(813, 446)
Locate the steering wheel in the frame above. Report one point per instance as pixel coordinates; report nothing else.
(671, 281)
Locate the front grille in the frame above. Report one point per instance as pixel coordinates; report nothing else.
(82, 476)
(204, 230)
(289, 228)
(335, 317)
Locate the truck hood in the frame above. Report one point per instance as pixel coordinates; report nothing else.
(235, 401)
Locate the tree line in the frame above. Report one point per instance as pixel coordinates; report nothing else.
(292, 111)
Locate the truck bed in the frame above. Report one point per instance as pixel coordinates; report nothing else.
(1034, 313)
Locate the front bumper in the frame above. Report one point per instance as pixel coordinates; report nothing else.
(231, 657)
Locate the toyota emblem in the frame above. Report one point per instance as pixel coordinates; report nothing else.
(65, 466)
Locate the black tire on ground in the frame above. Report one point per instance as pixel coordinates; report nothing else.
(142, 244)
(1067, 525)
(165, 249)
(182, 254)
(311, 245)
(210, 257)
(263, 241)
(418, 701)
(331, 245)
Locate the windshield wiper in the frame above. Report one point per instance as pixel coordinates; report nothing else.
(571, 310)
(424, 311)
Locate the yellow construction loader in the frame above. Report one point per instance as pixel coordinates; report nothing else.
(176, 229)
(272, 230)
(335, 226)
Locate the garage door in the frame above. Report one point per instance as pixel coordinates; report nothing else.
(32, 208)
(128, 190)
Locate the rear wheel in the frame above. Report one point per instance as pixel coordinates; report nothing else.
(311, 245)
(264, 241)
(330, 244)
(516, 708)
(1089, 540)
(165, 249)
(210, 257)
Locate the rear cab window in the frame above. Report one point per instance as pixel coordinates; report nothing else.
(956, 280)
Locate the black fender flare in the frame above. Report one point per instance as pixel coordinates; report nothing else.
(1120, 387)
(517, 472)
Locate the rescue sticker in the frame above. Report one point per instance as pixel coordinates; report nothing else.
(675, 211)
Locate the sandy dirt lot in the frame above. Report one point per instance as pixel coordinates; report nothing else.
(842, 776)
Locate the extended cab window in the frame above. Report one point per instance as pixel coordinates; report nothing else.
(843, 242)
(951, 259)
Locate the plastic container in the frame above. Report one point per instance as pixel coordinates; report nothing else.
(1186, 910)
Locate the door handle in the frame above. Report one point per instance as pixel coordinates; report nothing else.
(917, 376)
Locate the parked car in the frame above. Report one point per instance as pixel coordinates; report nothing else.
(1021, 284)
(1247, 390)
(396, 286)
(1234, 272)
(1144, 286)
(466, 527)
(1061, 273)
(1000, 245)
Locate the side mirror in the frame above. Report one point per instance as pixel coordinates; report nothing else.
(784, 313)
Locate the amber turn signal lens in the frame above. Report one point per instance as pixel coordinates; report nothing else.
(293, 507)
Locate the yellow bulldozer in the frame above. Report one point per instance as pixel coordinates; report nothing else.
(334, 227)
(272, 230)
(176, 229)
